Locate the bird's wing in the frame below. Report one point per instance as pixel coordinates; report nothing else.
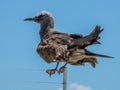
(75, 40)
(84, 41)
(61, 38)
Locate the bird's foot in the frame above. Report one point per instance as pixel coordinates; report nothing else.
(61, 70)
(51, 71)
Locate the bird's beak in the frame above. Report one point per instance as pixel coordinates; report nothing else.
(29, 19)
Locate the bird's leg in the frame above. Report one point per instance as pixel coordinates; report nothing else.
(62, 69)
(52, 71)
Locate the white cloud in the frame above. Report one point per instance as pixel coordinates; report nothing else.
(75, 86)
(60, 89)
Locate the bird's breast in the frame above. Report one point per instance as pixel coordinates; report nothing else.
(52, 52)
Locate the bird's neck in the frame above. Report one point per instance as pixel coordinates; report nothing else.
(45, 28)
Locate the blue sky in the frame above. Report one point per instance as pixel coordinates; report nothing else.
(22, 69)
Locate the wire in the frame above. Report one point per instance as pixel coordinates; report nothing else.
(43, 82)
(11, 69)
(36, 82)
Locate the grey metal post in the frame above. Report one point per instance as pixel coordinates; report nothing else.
(65, 79)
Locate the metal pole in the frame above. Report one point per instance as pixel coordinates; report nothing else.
(65, 79)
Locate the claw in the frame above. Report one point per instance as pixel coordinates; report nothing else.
(50, 71)
(61, 70)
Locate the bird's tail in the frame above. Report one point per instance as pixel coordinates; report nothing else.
(95, 34)
(93, 37)
(97, 55)
(90, 39)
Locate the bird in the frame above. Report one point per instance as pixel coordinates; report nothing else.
(57, 47)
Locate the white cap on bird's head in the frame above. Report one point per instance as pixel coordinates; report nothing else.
(45, 13)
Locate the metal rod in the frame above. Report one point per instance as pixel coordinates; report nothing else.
(65, 79)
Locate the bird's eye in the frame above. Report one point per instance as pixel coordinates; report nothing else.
(41, 16)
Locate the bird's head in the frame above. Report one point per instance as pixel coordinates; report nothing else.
(42, 17)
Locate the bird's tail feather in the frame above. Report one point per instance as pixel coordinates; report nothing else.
(93, 37)
(98, 55)
(96, 31)
(90, 39)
